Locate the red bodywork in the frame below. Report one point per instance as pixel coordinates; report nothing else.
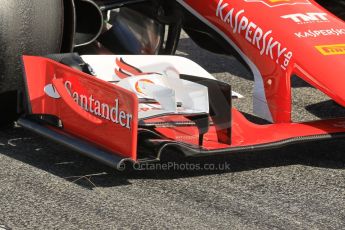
(101, 131)
(245, 133)
(279, 39)
(118, 137)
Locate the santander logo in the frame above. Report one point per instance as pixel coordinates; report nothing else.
(111, 112)
(51, 91)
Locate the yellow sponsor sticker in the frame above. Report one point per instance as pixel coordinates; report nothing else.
(338, 49)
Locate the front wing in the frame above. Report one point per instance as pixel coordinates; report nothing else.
(102, 120)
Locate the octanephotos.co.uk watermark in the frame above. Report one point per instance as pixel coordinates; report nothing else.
(174, 166)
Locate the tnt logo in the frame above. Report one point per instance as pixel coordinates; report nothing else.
(274, 3)
(307, 17)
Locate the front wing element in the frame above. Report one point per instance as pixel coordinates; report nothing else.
(101, 119)
(88, 108)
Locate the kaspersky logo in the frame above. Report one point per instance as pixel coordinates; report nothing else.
(327, 50)
(274, 3)
(264, 40)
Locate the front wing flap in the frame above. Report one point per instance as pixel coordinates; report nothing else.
(91, 109)
(101, 120)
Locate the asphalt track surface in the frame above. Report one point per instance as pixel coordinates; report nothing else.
(46, 186)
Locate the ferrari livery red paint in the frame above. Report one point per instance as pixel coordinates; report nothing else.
(279, 39)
